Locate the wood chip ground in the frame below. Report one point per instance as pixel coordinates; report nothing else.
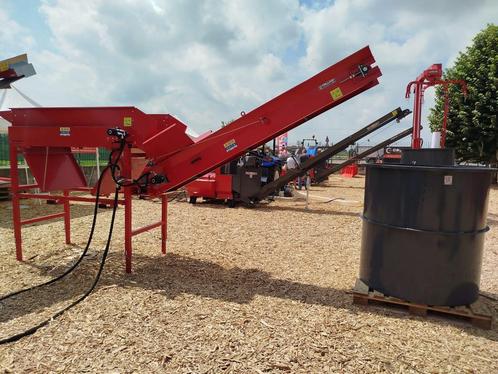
(241, 290)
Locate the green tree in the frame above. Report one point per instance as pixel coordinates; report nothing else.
(472, 121)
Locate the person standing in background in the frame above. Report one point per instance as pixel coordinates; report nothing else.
(290, 165)
(302, 157)
(284, 154)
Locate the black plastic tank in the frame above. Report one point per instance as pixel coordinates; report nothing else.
(428, 157)
(423, 231)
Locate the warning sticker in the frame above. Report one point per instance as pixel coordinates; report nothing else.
(230, 145)
(336, 93)
(127, 121)
(64, 131)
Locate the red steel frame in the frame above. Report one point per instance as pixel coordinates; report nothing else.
(17, 192)
(45, 137)
(430, 77)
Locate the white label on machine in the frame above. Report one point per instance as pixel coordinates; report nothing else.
(231, 144)
(448, 180)
(64, 131)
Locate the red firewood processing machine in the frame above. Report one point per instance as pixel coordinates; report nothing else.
(238, 182)
(151, 154)
(158, 156)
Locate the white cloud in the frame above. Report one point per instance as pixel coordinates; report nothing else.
(205, 61)
(201, 60)
(405, 38)
(14, 37)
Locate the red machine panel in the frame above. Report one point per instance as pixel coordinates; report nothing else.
(213, 185)
(54, 168)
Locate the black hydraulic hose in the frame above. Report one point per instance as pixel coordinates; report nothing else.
(83, 254)
(331, 200)
(112, 166)
(33, 329)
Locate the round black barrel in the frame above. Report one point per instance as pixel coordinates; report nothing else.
(423, 232)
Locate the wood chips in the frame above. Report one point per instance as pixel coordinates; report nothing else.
(260, 290)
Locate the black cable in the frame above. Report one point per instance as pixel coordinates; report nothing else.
(83, 254)
(329, 201)
(33, 329)
(112, 165)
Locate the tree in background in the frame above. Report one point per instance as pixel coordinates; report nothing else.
(472, 121)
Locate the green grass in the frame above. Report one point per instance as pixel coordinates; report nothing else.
(7, 163)
(86, 163)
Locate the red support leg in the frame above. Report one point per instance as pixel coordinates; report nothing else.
(417, 115)
(128, 228)
(126, 172)
(67, 217)
(164, 223)
(16, 209)
(442, 142)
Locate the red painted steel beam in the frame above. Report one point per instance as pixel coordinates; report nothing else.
(16, 208)
(81, 199)
(28, 186)
(429, 77)
(327, 89)
(164, 222)
(146, 228)
(424, 80)
(42, 218)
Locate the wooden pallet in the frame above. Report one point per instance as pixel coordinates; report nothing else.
(477, 313)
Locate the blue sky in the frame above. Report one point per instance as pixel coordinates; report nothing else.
(204, 61)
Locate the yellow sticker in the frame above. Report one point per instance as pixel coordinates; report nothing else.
(394, 112)
(127, 121)
(5, 64)
(336, 93)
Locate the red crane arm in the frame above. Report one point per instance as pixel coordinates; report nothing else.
(429, 77)
(329, 88)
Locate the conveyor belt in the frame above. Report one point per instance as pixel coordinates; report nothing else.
(325, 173)
(396, 114)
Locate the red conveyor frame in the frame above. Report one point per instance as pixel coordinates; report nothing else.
(45, 136)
